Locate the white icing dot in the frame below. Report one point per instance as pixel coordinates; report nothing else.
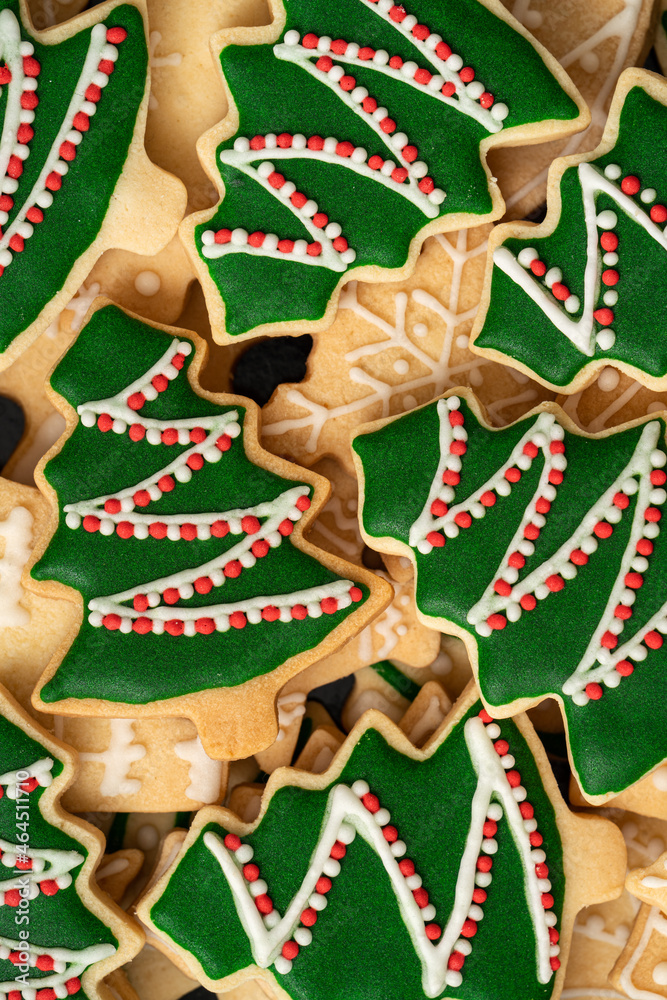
(606, 339)
(527, 256)
(532, 19)
(660, 974)
(612, 171)
(401, 367)
(499, 111)
(610, 298)
(648, 195)
(590, 62)
(283, 965)
(244, 854)
(147, 283)
(608, 379)
(607, 219)
(420, 329)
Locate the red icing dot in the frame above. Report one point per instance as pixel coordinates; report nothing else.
(256, 239)
(653, 640)
(433, 931)
(421, 32)
(388, 125)
(578, 557)
(555, 582)
(371, 802)
(538, 267)
(644, 547)
(25, 132)
(223, 443)
(594, 692)
(286, 527)
(484, 716)
(423, 77)
(339, 46)
(232, 842)
(448, 89)
(536, 839)
(623, 612)
(356, 594)
(290, 950)
(547, 900)
(630, 184)
(17, 243)
(625, 668)
(603, 529)
(223, 236)
(456, 961)
(29, 100)
(502, 587)
(443, 51)
(93, 93)
(270, 613)
(30, 66)
(112, 622)
(116, 35)
(479, 896)
(469, 928)
(260, 548)
(366, 53)
(397, 13)
(390, 833)
(658, 213)
(262, 902)
(309, 917)
(634, 580)
(528, 602)
(195, 461)
(338, 851)
(310, 41)
(487, 99)
(516, 560)
(658, 477)
(554, 962)
(512, 475)
(435, 539)
(467, 74)
(609, 241)
(526, 810)
(531, 532)
(329, 605)
(219, 529)
(250, 524)
(91, 523)
(438, 508)
(560, 291)
(233, 569)
(463, 519)
(542, 506)
(496, 621)
(299, 611)
(514, 779)
(488, 498)
(142, 626)
(68, 150)
(238, 620)
(451, 478)
(652, 514)
(610, 276)
(125, 529)
(421, 898)
(501, 747)
(604, 316)
(323, 885)
(169, 436)
(555, 477)
(251, 872)
(347, 83)
(406, 867)
(112, 506)
(609, 640)
(375, 162)
(426, 185)
(203, 585)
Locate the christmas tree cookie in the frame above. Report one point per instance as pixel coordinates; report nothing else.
(59, 935)
(542, 548)
(584, 289)
(397, 873)
(356, 129)
(74, 176)
(181, 542)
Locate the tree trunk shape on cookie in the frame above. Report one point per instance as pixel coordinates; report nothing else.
(542, 548)
(179, 545)
(356, 129)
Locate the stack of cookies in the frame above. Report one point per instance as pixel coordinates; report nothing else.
(325, 672)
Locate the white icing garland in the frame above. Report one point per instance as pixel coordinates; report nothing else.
(212, 436)
(39, 775)
(467, 95)
(31, 865)
(68, 135)
(581, 333)
(347, 815)
(65, 965)
(506, 596)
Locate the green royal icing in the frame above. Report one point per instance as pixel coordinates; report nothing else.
(73, 221)
(518, 327)
(360, 945)
(111, 352)
(614, 740)
(61, 920)
(275, 96)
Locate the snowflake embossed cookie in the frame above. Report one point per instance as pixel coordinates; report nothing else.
(356, 129)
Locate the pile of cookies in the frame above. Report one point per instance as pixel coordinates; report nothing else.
(355, 688)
